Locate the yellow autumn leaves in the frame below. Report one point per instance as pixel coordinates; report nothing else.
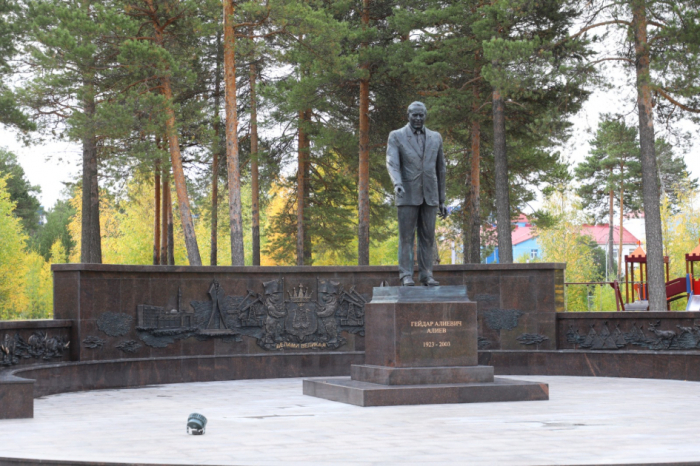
(26, 288)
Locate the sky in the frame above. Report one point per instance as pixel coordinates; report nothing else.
(53, 163)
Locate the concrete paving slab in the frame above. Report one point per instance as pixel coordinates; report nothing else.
(264, 422)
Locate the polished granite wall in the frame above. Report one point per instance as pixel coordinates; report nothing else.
(665, 331)
(522, 329)
(516, 303)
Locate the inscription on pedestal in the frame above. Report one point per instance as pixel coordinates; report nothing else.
(432, 333)
(443, 334)
(439, 327)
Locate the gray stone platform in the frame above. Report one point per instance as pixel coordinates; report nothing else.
(355, 392)
(269, 422)
(421, 348)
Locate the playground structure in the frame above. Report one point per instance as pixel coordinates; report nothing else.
(636, 289)
(692, 285)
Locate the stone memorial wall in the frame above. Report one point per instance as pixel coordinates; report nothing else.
(123, 326)
(629, 331)
(122, 312)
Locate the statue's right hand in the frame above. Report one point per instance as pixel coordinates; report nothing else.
(399, 191)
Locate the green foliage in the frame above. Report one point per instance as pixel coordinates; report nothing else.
(613, 165)
(520, 47)
(56, 229)
(311, 56)
(681, 226)
(38, 288)
(26, 290)
(12, 33)
(12, 266)
(564, 242)
(59, 255)
(673, 173)
(22, 193)
(126, 226)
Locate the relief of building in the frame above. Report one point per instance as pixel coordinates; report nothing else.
(277, 322)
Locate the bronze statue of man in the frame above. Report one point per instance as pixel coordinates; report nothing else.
(416, 165)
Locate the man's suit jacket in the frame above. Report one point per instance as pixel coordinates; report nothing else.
(421, 174)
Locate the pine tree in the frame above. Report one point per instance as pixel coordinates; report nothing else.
(157, 60)
(12, 33)
(610, 173)
(662, 48)
(530, 61)
(68, 45)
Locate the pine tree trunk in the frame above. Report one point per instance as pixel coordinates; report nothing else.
(505, 243)
(171, 230)
(254, 182)
(611, 240)
(164, 213)
(213, 256)
(156, 215)
(174, 148)
(90, 241)
(363, 169)
(300, 190)
(467, 219)
(216, 153)
(307, 190)
(303, 241)
(183, 200)
(232, 156)
(650, 189)
(475, 195)
(619, 232)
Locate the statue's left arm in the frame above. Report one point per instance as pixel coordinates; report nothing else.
(441, 171)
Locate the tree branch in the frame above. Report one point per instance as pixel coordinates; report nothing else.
(592, 26)
(666, 96)
(612, 59)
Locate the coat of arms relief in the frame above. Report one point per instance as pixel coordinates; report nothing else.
(279, 318)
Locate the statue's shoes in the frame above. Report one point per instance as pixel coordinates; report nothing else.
(430, 281)
(407, 281)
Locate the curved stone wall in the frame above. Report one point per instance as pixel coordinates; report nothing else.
(634, 364)
(18, 387)
(130, 326)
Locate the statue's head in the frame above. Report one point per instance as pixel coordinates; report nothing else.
(417, 113)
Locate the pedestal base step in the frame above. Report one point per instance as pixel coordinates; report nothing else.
(421, 375)
(354, 392)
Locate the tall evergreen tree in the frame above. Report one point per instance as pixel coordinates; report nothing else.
(530, 61)
(12, 32)
(67, 46)
(662, 48)
(610, 174)
(159, 59)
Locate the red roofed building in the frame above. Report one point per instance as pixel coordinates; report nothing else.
(524, 237)
(600, 234)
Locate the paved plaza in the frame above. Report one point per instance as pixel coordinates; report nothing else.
(265, 422)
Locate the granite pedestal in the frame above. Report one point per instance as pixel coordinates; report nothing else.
(421, 348)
